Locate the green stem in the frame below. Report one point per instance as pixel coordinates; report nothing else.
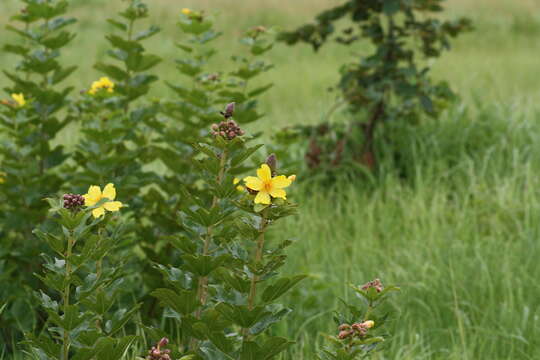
(67, 289)
(202, 289)
(255, 278)
(128, 72)
(369, 310)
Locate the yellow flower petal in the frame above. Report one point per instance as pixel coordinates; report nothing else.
(278, 193)
(93, 196)
(239, 188)
(264, 173)
(19, 99)
(109, 192)
(112, 205)
(253, 183)
(100, 211)
(262, 198)
(280, 182)
(236, 181)
(292, 178)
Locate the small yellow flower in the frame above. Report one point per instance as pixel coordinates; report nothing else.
(2, 177)
(239, 187)
(292, 178)
(95, 195)
(186, 11)
(103, 83)
(19, 99)
(368, 324)
(267, 186)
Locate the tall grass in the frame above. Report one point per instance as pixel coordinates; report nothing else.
(459, 234)
(455, 221)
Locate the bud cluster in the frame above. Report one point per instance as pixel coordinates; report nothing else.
(355, 330)
(228, 129)
(376, 284)
(73, 201)
(156, 353)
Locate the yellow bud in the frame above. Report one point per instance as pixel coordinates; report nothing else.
(186, 11)
(292, 178)
(369, 324)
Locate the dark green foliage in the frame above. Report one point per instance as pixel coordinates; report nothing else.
(198, 99)
(390, 79)
(81, 304)
(30, 164)
(223, 294)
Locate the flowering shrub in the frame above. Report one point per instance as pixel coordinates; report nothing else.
(81, 300)
(362, 330)
(31, 115)
(195, 238)
(223, 295)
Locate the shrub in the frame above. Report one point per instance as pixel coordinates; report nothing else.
(388, 82)
(189, 235)
(83, 320)
(31, 166)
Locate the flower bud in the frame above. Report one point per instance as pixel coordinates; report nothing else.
(368, 324)
(163, 342)
(229, 110)
(344, 334)
(271, 161)
(215, 127)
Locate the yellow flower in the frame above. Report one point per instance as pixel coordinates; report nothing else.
(2, 177)
(186, 11)
(95, 195)
(103, 83)
(267, 186)
(368, 324)
(239, 187)
(19, 99)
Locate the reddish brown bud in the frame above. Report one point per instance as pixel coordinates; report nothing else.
(271, 161)
(163, 342)
(344, 334)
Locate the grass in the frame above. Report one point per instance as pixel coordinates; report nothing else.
(459, 235)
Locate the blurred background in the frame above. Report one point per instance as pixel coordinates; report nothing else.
(461, 236)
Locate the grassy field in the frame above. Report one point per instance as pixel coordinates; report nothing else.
(460, 235)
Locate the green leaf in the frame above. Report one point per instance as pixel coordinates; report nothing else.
(118, 323)
(127, 45)
(151, 31)
(203, 265)
(184, 302)
(61, 74)
(117, 24)
(268, 320)
(241, 315)
(280, 287)
(147, 62)
(112, 71)
(273, 346)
